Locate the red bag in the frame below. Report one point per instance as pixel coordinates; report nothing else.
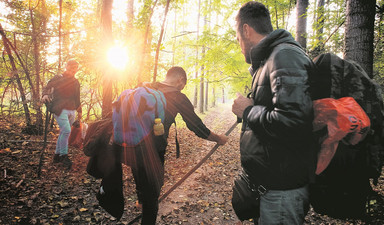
(345, 120)
(75, 138)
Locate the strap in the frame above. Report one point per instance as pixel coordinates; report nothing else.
(177, 142)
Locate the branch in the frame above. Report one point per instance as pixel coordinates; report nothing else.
(333, 33)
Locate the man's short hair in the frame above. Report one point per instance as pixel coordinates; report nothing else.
(256, 15)
(175, 72)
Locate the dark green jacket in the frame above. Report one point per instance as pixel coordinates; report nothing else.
(276, 135)
(66, 93)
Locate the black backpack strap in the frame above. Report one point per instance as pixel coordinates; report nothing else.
(177, 142)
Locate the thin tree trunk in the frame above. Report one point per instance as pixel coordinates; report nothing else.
(197, 57)
(60, 26)
(160, 39)
(319, 28)
(35, 90)
(15, 72)
(146, 42)
(130, 14)
(206, 96)
(301, 22)
(359, 33)
(106, 23)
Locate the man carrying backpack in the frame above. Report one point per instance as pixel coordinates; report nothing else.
(62, 95)
(147, 158)
(277, 117)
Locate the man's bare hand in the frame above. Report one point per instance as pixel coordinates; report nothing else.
(46, 99)
(222, 139)
(240, 104)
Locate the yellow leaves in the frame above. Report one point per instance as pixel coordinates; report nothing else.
(83, 209)
(63, 204)
(5, 150)
(8, 150)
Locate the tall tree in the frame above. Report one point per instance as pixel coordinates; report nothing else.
(106, 25)
(318, 29)
(301, 22)
(130, 14)
(194, 100)
(160, 39)
(144, 61)
(359, 33)
(15, 72)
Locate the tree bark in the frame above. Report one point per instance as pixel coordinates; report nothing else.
(301, 22)
(106, 24)
(319, 29)
(359, 33)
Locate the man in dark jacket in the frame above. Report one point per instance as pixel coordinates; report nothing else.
(149, 172)
(275, 143)
(147, 158)
(63, 94)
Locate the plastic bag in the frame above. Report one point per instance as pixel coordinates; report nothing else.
(345, 120)
(75, 138)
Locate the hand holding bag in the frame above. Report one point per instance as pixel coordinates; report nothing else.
(246, 197)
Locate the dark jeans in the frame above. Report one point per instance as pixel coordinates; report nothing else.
(147, 164)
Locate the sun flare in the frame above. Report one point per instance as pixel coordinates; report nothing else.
(118, 57)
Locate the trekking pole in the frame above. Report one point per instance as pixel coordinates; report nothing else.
(191, 171)
(47, 119)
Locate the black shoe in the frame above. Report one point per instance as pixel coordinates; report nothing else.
(66, 161)
(56, 158)
(112, 202)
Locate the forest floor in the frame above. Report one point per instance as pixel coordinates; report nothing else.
(61, 196)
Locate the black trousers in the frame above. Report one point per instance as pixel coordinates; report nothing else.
(147, 163)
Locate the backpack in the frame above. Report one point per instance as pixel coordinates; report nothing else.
(134, 113)
(342, 189)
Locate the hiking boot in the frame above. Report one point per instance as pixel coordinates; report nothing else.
(66, 161)
(56, 158)
(112, 202)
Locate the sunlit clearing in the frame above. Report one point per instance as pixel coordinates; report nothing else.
(118, 57)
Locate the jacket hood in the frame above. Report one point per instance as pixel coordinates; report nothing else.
(261, 51)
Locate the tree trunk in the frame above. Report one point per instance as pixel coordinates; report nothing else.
(213, 97)
(359, 32)
(319, 29)
(197, 57)
(60, 36)
(130, 14)
(14, 70)
(159, 42)
(206, 96)
(106, 24)
(201, 100)
(301, 22)
(35, 89)
(146, 45)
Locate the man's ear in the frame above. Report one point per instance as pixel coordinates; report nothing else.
(246, 30)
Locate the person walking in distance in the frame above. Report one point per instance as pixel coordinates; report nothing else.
(62, 94)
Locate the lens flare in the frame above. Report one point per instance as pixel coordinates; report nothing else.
(118, 57)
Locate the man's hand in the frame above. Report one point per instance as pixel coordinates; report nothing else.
(46, 99)
(222, 139)
(240, 104)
